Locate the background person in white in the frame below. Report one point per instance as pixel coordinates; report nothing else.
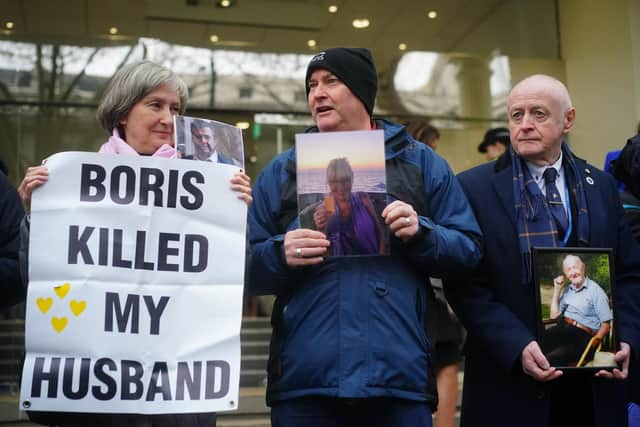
(583, 311)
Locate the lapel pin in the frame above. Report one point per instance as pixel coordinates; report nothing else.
(590, 180)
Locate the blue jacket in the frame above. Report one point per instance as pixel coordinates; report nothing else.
(500, 315)
(352, 327)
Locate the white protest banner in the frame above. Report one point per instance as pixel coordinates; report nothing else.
(135, 294)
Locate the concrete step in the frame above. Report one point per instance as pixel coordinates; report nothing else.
(12, 325)
(251, 362)
(252, 401)
(9, 368)
(11, 338)
(11, 351)
(253, 377)
(255, 334)
(255, 347)
(256, 322)
(242, 421)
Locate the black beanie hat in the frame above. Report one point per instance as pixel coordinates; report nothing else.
(354, 67)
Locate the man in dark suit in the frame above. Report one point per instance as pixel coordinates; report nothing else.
(538, 194)
(205, 144)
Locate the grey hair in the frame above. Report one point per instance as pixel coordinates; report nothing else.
(571, 256)
(129, 85)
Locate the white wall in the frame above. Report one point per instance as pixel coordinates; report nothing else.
(600, 48)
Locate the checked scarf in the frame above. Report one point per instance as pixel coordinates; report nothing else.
(536, 227)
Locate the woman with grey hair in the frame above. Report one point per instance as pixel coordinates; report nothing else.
(137, 110)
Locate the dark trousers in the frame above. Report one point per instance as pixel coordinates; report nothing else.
(572, 401)
(334, 412)
(579, 399)
(563, 344)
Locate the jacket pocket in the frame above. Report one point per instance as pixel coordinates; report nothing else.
(397, 341)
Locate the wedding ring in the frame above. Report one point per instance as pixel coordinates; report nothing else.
(407, 220)
(299, 253)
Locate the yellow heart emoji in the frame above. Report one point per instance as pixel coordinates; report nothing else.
(77, 307)
(59, 323)
(44, 304)
(62, 290)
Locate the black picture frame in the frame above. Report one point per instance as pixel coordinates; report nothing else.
(569, 331)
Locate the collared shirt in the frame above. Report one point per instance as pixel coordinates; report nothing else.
(537, 172)
(214, 157)
(588, 305)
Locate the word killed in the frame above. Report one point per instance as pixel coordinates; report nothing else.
(104, 246)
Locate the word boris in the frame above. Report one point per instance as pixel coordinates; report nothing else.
(124, 185)
(104, 379)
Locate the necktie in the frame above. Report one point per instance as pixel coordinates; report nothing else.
(554, 201)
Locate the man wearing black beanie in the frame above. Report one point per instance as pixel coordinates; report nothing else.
(348, 345)
(354, 67)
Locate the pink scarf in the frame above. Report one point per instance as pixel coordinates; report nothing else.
(116, 145)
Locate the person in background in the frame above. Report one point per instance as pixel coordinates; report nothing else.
(349, 346)
(443, 327)
(626, 169)
(539, 194)
(495, 143)
(11, 213)
(137, 110)
(421, 130)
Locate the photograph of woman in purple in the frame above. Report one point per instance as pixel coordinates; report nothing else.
(348, 218)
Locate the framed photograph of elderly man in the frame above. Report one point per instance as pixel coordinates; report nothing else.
(342, 190)
(575, 303)
(208, 141)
